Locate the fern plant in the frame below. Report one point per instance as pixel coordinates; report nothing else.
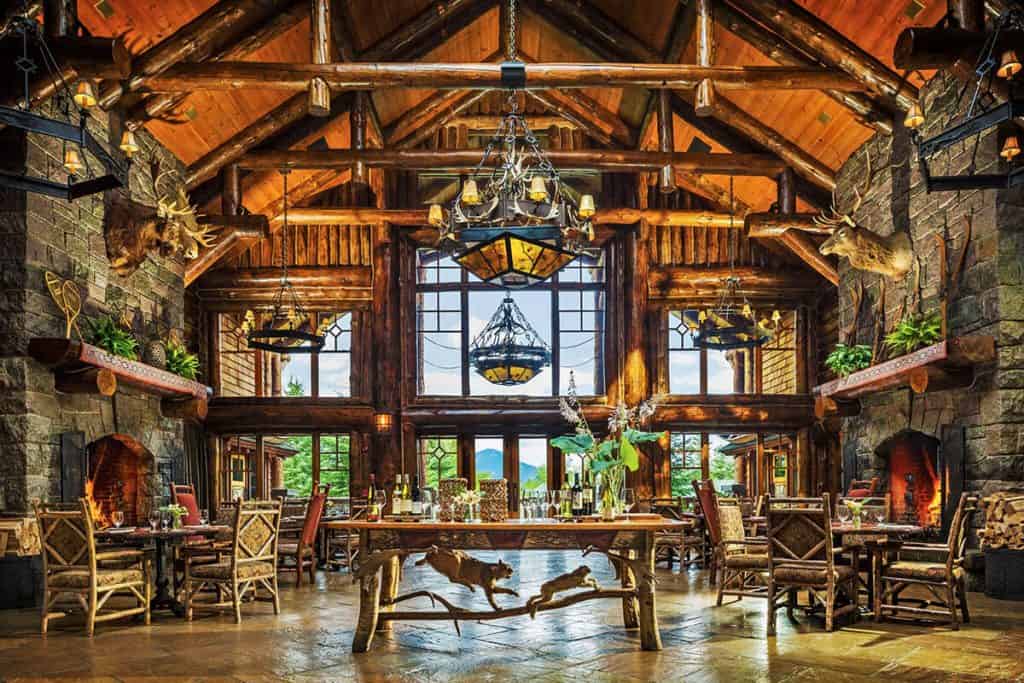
(847, 359)
(180, 361)
(108, 334)
(915, 332)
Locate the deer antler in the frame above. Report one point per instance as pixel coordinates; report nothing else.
(833, 218)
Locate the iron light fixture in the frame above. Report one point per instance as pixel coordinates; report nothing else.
(1007, 67)
(732, 322)
(517, 226)
(288, 328)
(78, 143)
(508, 351)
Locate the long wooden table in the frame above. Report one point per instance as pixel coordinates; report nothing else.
(628, 544)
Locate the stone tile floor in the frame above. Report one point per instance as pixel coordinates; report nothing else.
(311, 638)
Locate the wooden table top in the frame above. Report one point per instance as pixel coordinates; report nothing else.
(143, 532)
(876, 529)
(645, 524)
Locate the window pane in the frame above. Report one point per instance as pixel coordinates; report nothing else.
(536, 307)
(685, 462)
(723, 465)
(578, 357)
(489, 459)
(533, 464)
(295, 374)
(439, 457)
(721, 371)
(684, 372)
(335, 463)
(335, 374)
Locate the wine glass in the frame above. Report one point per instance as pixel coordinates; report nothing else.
(628, 500)
(165, 521)
(555, 503)
(427, 498)
(878, 513)
(844, 514)
(154, 520)
(117, 517)
(204, 517)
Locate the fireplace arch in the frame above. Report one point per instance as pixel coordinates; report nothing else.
(119, 477)
(913, 477)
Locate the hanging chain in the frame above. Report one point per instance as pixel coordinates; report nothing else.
(510, 49)
(284, 230)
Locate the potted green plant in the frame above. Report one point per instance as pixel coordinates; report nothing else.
(914, 332)
(179, 360)
(111, 336)
(611, 456)
(845, 360)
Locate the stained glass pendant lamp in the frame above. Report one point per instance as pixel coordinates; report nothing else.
(508, 351)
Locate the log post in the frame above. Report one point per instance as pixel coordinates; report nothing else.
(90, 381)
(970, 14)
(231, 191)
(59, 18)
(193, 409)
(357, 131)
(666, 141)
(704, 99)
(320, 33)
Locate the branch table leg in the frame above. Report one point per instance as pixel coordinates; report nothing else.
(650, 636)
(629, 604)
(369, 606)
(391, 575)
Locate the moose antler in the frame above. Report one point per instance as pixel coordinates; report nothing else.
(181, 213)
(833, 218)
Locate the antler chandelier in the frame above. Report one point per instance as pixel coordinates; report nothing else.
(287, 329)
(516, 226)
(508, 351)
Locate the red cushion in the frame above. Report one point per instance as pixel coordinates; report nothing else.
(188, 501)
(858, 493)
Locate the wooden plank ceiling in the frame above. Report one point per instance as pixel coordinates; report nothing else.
(821, 127)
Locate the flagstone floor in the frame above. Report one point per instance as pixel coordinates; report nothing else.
(310, 641)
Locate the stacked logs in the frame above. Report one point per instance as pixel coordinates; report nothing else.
(1004, 521)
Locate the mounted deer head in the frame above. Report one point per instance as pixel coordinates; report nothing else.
(891, 256)
(132, 230)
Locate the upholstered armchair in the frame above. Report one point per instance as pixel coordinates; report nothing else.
(299, 554)
(251, 565)
(939, 575)
(74, 568)
(801, 557)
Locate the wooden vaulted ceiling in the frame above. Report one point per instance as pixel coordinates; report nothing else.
(820, 126)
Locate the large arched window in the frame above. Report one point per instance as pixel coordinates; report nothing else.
(452, 306)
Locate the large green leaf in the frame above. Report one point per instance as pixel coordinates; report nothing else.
(605, 449)
(630, 458)
(636, 436)
(598, 466)
(573, 443)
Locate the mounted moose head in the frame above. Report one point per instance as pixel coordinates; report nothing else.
(132, 230)
(891, 256)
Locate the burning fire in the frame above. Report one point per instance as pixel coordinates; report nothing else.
(101, 518)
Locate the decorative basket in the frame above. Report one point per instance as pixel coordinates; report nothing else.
(447, 490)
(494, 501)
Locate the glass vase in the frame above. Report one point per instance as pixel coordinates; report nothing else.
(612, 481)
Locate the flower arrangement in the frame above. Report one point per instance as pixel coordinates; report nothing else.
(615, 453)
(469, 500)
(855, 507)
(177, 512)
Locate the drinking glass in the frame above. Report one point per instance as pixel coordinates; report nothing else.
(844, 514)
(427, 498)
(555, 503)
(165, 521)
(628, 500)
(381, 496)
(204, 518)
(878, 514)
(154, 520)
(117, 517)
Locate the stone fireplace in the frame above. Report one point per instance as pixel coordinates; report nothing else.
(120, 476)
(913, 478)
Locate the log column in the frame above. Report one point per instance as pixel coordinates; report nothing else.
(666, 141)
(357, 131)
(704, 100)
(231, 192)
(386, 349)
(320, 34)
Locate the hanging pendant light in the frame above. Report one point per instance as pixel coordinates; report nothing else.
(128, 143)
(508, 351)
(85, 96)
(288, 328)
(514, 225)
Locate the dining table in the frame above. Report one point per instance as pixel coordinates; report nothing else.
(164, 541)
(877, 539)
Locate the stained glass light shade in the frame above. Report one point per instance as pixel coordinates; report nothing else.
(727, 329)
(514, 259)
(508, 351)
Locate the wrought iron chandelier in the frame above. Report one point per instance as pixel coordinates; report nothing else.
(508, 351)
(287, 328)
(77, 143)
(518, 225)
(1009, 23)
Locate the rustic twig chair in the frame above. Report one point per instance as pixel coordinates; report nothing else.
(686, 544)
(942, 577)
(741, 561)
(801, 556)
(74, 567)
(342, 547)
(301, 550)
(252, 564)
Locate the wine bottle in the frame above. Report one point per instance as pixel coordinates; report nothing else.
(406, 495)
(588, 494)
(577, 497)
(565, 509)
(417, 502)
(371, 491)
(396, 496)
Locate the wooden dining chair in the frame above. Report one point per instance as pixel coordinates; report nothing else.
(801, 556)
(250, 566)
(73, 567)
(941, 575)
(685, 544)
(185, 496)
(741, 561)
(343, 544)
(299, 554)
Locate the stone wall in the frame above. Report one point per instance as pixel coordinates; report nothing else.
(988, 301)
(41, 234)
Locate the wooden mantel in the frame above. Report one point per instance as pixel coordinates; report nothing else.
(79, 367)
(946, 365)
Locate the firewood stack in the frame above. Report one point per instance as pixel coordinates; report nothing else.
(1004, 521)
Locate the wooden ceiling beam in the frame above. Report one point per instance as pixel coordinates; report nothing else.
(296, 77)
(861, 105)
(584, 112)
(806, 31)
(162, 105)
(229, 243)
(587, 25)
(619, 160)
(421, 122)
(434, 25)
(682, 33)
(798, 242)
(679, 282)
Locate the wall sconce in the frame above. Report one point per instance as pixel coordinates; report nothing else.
(383, 422)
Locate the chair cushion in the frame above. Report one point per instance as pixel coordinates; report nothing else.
(925, 571)
(810, 576)
(79, 578)
(858, 493)
(222, 570)
(292, 549)
(745, 561)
